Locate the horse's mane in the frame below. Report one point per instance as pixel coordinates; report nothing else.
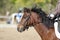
(45, 20)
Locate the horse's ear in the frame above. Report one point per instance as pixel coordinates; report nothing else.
(27, 10)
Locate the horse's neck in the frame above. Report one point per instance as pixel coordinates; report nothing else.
(45, 33)
(41, 29)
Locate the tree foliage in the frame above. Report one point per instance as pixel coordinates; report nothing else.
(14, 5)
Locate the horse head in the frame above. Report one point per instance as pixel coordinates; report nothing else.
(31, 18)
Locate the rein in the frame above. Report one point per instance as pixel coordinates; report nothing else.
(27, 19)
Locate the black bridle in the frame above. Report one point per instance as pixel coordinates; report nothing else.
(27, 19)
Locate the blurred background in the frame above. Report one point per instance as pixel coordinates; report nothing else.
(8, 7)
(13, 5)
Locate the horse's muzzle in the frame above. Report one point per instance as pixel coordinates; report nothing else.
(20, 29)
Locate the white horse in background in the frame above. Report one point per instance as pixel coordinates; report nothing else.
(18, 17)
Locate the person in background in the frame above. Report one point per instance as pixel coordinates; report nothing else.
(56, 17)
(56, 12)
(8, 17)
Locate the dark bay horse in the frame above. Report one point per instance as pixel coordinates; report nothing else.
(38, 19)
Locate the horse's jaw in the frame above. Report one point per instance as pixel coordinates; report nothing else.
(56, 30)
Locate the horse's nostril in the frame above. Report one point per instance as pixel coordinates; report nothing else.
(20, 29)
